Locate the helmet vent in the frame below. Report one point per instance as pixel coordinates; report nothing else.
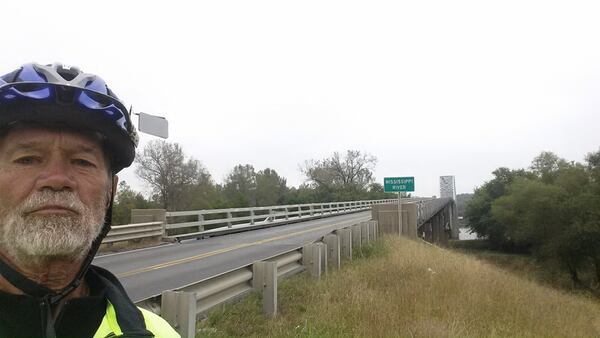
(67, 73)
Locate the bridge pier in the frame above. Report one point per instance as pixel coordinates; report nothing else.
(432, 219)
(439, 227)
(454, 221)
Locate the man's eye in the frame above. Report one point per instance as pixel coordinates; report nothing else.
(27, 160)
(83, 163)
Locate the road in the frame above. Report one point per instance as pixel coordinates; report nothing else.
(147, 272)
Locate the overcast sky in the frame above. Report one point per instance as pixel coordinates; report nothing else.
(430, 88)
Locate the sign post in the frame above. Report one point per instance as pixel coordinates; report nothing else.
(399, 215)
(399, 184)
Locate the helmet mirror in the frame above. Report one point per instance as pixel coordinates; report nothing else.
(153, 125)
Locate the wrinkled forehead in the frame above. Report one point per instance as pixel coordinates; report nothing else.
(32, 134)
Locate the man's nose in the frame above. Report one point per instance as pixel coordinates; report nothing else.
(56, 175)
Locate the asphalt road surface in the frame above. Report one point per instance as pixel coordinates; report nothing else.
(147, 272)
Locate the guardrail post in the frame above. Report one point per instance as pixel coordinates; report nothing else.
(312, 210)
(229, 217)
(323, 248)
(311, 259)
(286, 214)
(377, 233)
(333, 250)
(264, 279)
(345, 236)
(356, 237)
(299, 211)
(178, 308)
(372, 230)
(252, 216)
(364, 232)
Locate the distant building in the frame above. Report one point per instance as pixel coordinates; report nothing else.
(447, 187)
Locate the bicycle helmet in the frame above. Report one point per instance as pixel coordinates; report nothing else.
(62, 94)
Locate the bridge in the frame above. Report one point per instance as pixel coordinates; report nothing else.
(216, 256)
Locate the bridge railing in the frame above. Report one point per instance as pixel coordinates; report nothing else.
(181, 225)
(426, 209)
(212, 222)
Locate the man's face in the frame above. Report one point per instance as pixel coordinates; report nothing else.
(54, 192)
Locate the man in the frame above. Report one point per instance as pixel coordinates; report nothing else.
(63, 138)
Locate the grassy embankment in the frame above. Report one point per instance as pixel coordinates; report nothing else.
(409, 288)
(526, 266)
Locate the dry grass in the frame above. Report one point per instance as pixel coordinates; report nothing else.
(413, 289)
(525, 265)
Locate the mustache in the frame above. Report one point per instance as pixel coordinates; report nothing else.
(48, 198)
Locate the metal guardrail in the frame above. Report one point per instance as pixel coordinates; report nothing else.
(181, 307)
(214, 222)
(120, 233)
(235, 283)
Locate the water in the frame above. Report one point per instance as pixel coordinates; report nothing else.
(464, 234)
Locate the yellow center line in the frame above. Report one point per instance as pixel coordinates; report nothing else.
(220, 251)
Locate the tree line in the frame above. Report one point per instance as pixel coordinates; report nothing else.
(180, 182)
(551, 210)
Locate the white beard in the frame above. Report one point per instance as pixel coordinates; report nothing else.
(34, 240)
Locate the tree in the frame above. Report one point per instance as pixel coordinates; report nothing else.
(593, 159)
(125, 200)
(341, 178)
(593, 163)
(559, 222)
(164, 167)
(203, 194)
(531, 211)
(240, 186)
(546, 165)
(304, 194)
(554, 211)
(479, 208)
(376, 192)
(271, 189)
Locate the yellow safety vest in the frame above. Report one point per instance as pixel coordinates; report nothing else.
(155, 324)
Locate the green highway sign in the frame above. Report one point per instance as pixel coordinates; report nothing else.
(398, 184)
